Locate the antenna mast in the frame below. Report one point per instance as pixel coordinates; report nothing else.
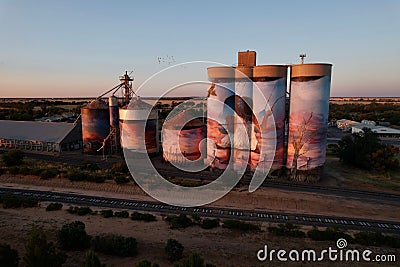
(302, 56)
(127, 85)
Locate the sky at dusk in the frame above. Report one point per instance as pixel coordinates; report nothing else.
(79, 48)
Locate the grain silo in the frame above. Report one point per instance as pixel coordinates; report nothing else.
(95, 125)
(269, 110)
(181, 137)
(220, 115)
(114, 113)
(308, 119)
(243, 115)
(138, 127)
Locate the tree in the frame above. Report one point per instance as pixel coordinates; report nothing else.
(364, 150)
(8, 256)
(115, 245)
(174, 250)
(91, 260)
(13, 158)
(73, 236)
(40, 253)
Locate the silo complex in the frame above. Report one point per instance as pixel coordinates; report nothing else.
(243, 116)
(308, 118)
(269, 110)
(114, 113)
(138, 127)
(181, 138)
(95, 125)
(220, 115)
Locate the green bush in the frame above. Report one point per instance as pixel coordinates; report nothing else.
(209, 223)
(146, 263)
(329, 234)
(107, 213)
(377, 239)
(48, 173)
(120, 179)
(13, 158)
(14, 170)
(12, 201)
(238, 225)
(147, 217)
(91, 260)
(193, 260)
(287, 229)
(115, 245)
(119, 167)
(73, 236)
(122, 214)
(54, 206)
(76, 175)
(79, 210)
(90, 166)
(174, 250)
(181, 221)
(8, 256)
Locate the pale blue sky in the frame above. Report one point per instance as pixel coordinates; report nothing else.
(78, 48)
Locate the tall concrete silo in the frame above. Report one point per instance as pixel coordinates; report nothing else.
(139, 126)
(308, 119)
(95, 125)
(182, 135)
(269, 99)
(220, 115)
(243, 116)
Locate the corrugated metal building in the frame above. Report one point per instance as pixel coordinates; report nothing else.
(40, 136)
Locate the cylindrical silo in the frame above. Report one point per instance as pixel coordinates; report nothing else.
(269, 109)
(243, 116)
(138, 127)
(114, 113)
(182, 135)
(308, 119)
(220, 115)
(95, 125)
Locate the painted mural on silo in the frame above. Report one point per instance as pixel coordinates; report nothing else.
(138, 127)
(243, 116)
(308, 120)
(95, 125)
(181, 138)
(220, 115)
(269, 100)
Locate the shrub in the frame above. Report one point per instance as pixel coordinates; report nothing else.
(209, 223)
(119, 167)
(196, 218)
(238, 225)
(14, 170)
(287, 229)
(146, 263)
(90, 166)
(8, 256)
(79, 210)
(91, 260)
(174, 250)
(147, 217)
(54, 206)
(193, 260)
(76, 175)
(115, 245)
(12, 201)
(120, 179)
(13, 158)
(181, 221)
(48, 173)
(122, 214)
(329, 234)
(376, 239)
(38, 252)
(107, 213)
(73, 236)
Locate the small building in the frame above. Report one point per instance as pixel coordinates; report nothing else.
(40, 136)
(381, 131)
(346, 125)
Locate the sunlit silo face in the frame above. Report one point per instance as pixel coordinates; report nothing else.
(269, 109)
(182, 138)
(308, 119)
(220, 115)
(138, 127)
(95, 126)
